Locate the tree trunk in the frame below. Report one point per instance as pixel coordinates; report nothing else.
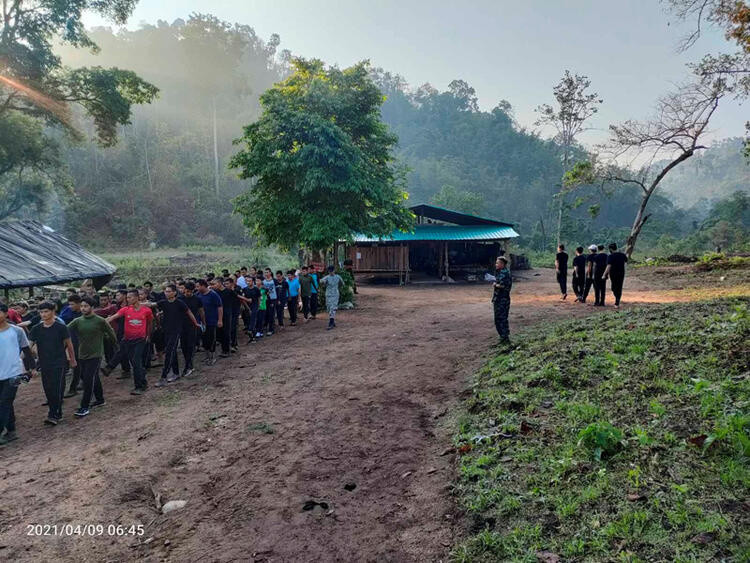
(216, 151)
(640, 220)
(559, 218)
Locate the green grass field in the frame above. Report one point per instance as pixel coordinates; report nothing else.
(624, 437)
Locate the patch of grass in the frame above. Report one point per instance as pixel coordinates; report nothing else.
(624, 437)
(168, 399)
(262, 427)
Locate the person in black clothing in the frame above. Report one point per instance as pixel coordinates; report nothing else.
(579, 274)
(190, 333)
(282, 296)
(561, 269)
(615, 271)
(589, 272)
(252, 295)
(175, 313)
(55, 352)
(600, 283)
(236, 302)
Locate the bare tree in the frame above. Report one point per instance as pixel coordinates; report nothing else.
(651, 149)
(574, 107)
(733, 17)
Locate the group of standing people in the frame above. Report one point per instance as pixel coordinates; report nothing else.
(592, 270)
(136, 328)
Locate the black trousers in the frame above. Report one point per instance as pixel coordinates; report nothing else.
(135, 349)
(119, 356)
(314, 305)
(589, 283)
(562, 279)
(270, 314)
(260, 321)
(171, 342)
(600, 290)
(305, 306)
(53, 383)
(501, 309)
(8, 389)
(247, 318)
(578, 286)
(224, 332)
(91, 381)
(292, 305)
(209, 339)
(187, 343)
(234, 328)
(615, 282)
(280, 306)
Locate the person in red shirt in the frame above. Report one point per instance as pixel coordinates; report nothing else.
(13, 316)
(138, 322)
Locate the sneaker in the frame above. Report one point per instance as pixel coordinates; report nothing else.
(188, 372)
(105, 371)
(137, 391)
(9, 437)
(211, 362)
(4, 440)
(94, 404)
(269, 333)
(172, 378)
(161, 383)
(223, 355)
(329, 327)
(80, 413)
(50, 421)
(258, 335)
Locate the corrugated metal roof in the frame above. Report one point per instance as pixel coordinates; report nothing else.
(33, 254)
(446, 232)
(456, 217)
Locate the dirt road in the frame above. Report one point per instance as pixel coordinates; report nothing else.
(251, 440)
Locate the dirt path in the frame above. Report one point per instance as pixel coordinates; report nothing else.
(251, 440)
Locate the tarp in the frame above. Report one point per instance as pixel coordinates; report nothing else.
(33, 254)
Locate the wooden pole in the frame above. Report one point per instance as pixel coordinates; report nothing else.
(447, 273)
(408, 277)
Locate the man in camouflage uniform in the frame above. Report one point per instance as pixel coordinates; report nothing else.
(501, 298)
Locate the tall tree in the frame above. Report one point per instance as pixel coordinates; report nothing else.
(656, 146)
(321, 161)
(36, 87)
(733, 17)
(574, 106)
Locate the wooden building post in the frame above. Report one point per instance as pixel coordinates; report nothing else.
(408, 280)
(447, 273)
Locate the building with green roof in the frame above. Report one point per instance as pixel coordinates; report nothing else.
(443, 244)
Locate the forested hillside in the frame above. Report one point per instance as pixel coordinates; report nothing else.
(167, 181)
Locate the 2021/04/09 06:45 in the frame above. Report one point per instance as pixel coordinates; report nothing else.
(84, 530)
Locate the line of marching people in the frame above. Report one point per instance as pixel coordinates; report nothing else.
(138, 328)
(592, 270)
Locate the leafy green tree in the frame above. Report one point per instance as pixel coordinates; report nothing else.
(36, 86)
(321, 161)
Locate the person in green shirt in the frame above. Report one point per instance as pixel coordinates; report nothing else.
(333, 284)
(93, 331)
(260, 321)
(305, 287)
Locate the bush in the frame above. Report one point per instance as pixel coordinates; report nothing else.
(347, 292)
(601, 438)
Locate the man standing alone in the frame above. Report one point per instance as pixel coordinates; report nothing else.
(501, 298)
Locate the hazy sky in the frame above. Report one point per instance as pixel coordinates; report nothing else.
(506, 50)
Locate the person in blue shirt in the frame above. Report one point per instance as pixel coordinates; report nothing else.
(293, 299)
(213, 310)
(314, 296)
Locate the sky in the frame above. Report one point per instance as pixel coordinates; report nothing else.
(512, 50)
